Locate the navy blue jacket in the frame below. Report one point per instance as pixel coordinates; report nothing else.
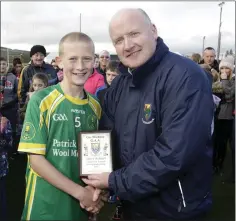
(162, 115)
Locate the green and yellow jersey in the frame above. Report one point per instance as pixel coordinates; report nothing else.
(52, 123)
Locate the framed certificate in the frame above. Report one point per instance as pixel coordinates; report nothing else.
(95, 152)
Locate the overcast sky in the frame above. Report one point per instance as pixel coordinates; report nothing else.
(182, 25)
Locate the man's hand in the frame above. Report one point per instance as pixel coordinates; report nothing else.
(87, 202)
(99, 181)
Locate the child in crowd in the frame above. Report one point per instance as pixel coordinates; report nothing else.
(5, 146)
(39, 81)
(111, 73)
(95, 81)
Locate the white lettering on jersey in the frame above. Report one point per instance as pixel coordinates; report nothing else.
(59, 117)
(58, 152)
(77, 111)
(57, 143)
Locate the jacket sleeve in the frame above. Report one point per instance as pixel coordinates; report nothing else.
(23, 86)
(228, 89)
(15, 88)
(186, 114)
(100, 82)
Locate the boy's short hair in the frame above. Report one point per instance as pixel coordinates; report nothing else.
(209, 48)
(3, 59)
(113, 66)
(16, 61)
(74, 37)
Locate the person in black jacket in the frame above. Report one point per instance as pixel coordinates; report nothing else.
(161, 107)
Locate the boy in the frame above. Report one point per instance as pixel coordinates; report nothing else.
(111, 73)
(54, 117)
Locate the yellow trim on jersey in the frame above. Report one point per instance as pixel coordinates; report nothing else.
(28, 180)
(76, 100)
(95, 106)
(47, 102)
(32, 148)
(52, 109)
(31, 199)
(41, 120)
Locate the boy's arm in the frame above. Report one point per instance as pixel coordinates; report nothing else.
(48, 172)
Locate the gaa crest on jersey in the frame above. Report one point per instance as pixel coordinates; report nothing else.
(92, 122)
(147, 114)
(95, 147)
(28, 131)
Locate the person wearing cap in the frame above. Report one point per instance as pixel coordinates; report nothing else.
(225, 89)
(36, 65)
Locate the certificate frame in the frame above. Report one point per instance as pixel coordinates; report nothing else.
(82, 151)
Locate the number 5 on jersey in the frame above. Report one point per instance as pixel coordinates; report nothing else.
(77, 122)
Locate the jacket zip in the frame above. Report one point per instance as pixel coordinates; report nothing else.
(182, 195)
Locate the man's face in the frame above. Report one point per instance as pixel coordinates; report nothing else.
(133, 38)
(3, 67)
(77, 62)
(209, 56)
(110, 75)
(104, 59)
(18, 68)
(38, 59)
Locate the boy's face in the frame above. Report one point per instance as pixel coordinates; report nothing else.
(18, 68)
(77, 61)
(3, 67)
(110, 75)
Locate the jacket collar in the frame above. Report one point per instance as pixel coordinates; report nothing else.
(140, 73)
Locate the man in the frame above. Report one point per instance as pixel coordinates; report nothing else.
(209, 56)
(37, 64)
(161, 107)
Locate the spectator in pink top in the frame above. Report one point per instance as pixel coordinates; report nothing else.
(94, 82)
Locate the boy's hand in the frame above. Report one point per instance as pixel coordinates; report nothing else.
(87, 202)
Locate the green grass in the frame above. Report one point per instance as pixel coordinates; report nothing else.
(223, 195)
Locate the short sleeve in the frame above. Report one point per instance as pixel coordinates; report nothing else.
(34, 133)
